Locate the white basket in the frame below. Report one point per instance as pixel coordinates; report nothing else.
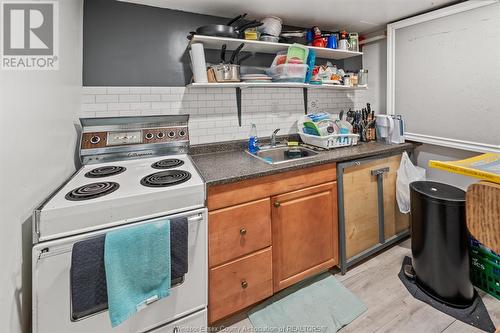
(330, 141)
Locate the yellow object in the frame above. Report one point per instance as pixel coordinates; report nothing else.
(292, 143)
(485, 166)
(251, 34)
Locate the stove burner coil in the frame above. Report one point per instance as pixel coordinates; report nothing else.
(105, 171)
(92, 191)
(166, 178)
(167, 163)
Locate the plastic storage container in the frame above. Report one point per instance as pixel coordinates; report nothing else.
(384, 125)
(439, 242)
(288, 73)
(485, 268)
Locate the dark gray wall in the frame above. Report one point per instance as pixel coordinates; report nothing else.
(126, 44)
(133, 45)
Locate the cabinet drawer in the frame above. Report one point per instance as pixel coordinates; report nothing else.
(238, 230)
(240, 283)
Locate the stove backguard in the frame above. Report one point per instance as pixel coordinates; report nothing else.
(122, 138)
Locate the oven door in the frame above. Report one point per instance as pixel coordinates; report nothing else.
(52, 291)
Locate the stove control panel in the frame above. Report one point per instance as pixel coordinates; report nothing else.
(92, 140)
(165, 134)
(124, 138)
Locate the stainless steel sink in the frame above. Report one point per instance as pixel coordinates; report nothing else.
(277, 155)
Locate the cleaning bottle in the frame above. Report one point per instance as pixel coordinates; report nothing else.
(253, 140)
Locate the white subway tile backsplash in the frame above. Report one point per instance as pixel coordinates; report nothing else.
(150, 98)
(87, 99)
(213, 110)
(140, 106)
(178, 90)
(171, 97)
(140, 90)
(160, 90)
(106, 98)
(118, 106)
(118, 90)
(160, 105)
(95, 90)
(94, 107)
(107, 114)
(129, 98)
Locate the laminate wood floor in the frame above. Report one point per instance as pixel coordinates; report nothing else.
(390, 307)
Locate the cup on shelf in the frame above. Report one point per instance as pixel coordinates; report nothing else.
(343, 44)
(332, 42)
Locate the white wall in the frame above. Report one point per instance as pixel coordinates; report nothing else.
(426, 152)
(375, 60)
(429, 59)
(37, 142)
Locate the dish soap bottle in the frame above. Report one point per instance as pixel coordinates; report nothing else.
(253, 140)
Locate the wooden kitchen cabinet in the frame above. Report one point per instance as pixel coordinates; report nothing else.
(257, 248)
(304, 233)
(369, 214)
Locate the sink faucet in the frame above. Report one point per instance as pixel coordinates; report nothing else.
(273, 137)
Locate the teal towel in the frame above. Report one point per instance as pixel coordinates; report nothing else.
(137, 263)
(319, 304)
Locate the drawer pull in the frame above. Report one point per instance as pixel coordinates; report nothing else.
(244, 284)
(277, 204)
(243, 231)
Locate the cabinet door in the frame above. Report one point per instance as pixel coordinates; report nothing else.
(361, 204)
(305, 233)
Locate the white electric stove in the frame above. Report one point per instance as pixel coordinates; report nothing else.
(108, 194)
(135, 170)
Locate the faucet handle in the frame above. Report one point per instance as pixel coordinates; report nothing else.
(276, 131)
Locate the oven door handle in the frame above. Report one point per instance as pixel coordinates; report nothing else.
(196, 218)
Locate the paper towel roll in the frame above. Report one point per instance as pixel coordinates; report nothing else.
(198, 64)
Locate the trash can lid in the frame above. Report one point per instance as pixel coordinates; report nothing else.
(439, 191)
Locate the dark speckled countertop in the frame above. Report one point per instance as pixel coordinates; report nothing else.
(229, 164)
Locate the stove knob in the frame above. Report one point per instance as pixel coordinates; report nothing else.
(171, 134)
(95, 139)
(149, 135)
(182, 133)
(160, 135)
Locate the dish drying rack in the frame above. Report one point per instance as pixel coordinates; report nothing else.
(329, 141)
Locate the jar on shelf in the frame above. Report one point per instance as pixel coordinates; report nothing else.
(363, 77)
(354, 80)
(347, 81)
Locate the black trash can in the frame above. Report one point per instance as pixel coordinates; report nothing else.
(439, 242)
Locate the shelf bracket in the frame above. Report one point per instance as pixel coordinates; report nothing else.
(304, 92)
(238, 104)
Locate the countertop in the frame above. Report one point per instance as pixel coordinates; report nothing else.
(227, 166)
